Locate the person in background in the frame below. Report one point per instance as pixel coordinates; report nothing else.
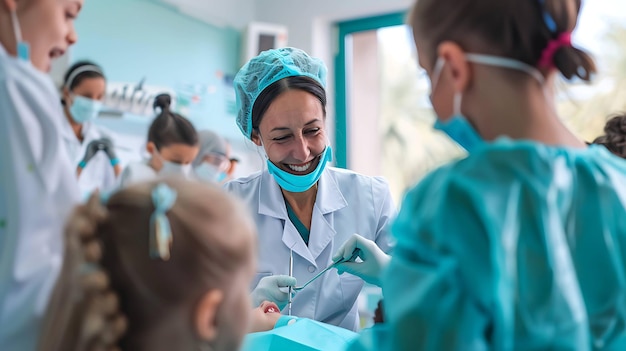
(172, 144)
(91, 148)
(233, 161)
(37, 180)
(614, 138)
(301, 206)
(521, 245)
(163, 265)
(211, 163)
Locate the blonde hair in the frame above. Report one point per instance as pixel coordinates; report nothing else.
(110, 289)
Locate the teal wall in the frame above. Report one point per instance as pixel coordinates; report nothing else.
(133, 39)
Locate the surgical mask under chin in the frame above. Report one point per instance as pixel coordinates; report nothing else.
(84, 109)
(22, 49)
(209, 173)
(457, 127)
(300, 183)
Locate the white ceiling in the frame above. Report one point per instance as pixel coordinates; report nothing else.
(229, 13)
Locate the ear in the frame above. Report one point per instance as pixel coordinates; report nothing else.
(66, 94)
(458, 66)
(150, 147)
(206, 315)
(256, 138)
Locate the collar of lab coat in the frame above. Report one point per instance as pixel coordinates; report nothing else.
(329, 199)
(271, 201)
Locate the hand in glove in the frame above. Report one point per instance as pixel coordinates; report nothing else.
(105, 145)
(269, 289)
(92, 149)
(374, 260)
(109, 149)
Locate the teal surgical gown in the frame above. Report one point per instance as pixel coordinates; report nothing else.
(300, 334)
(519, 246)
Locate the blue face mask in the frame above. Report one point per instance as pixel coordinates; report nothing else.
(209, 173)
(84, 109)
(300, 183)
(457, 127)
(23, 49)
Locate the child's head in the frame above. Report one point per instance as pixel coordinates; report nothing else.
(614, 138)
(195, 295)
(534, 36)
(172, 139)
(520, 30)
(47, 26)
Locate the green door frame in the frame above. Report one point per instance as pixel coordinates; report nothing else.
(341, 94)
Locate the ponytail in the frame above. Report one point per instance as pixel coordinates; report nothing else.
(169, 127)
(560, 17)
(535, 32)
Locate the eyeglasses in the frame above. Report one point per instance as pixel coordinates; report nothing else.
(218, 160)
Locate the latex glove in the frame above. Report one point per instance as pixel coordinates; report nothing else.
(269, 289)
(91, 151)
(105, 145)
(374, 260)
(109, 149)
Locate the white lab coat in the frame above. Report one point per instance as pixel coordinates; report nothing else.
(98, 173)
(346, 203)
(37, 191)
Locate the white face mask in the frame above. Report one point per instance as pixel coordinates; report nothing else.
(171, 168)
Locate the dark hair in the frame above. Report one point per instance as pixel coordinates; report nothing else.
(72, 80)
(510, 28)
(169, 127)
(88, 70)
(614, 138)
(270, 93)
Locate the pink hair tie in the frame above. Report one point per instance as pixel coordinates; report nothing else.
(547, 56)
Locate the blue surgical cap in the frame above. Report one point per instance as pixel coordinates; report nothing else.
(269, 67)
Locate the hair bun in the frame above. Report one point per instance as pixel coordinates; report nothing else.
(162, 101)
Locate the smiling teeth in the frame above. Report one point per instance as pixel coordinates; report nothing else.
(300, 168)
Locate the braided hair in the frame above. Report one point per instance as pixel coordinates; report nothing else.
(89, 311)
(112, 294)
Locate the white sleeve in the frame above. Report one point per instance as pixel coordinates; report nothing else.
(37, 191)
(386, 210)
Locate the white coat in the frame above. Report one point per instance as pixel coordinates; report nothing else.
(346, 203)
(37, 191)
(98, 173)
